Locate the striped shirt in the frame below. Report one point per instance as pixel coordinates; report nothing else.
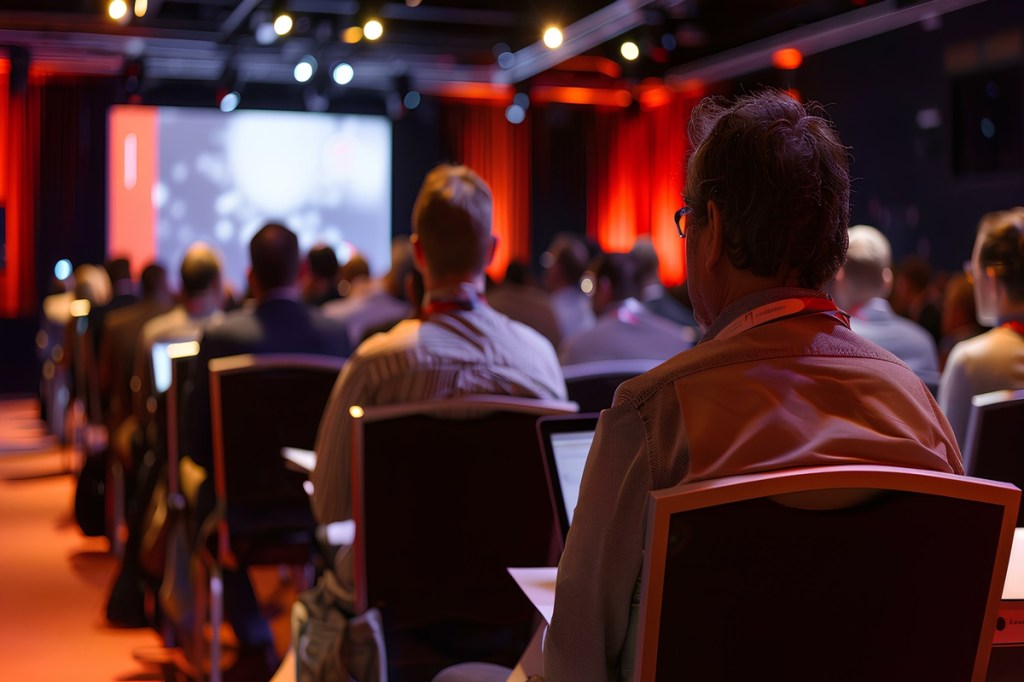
(455, 353)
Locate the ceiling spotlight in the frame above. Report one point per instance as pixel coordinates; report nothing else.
(373, 29)
(117, 9)
(265, 33)
(282, 24)
(352, 35)
(411, 100)
(629, 51)
(305, 69)
(515, 114)
(343, 74)
(140, 8)
(552, 37)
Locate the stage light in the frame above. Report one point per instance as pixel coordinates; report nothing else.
(62, 270)
(552, 37)
(305, 69)
(117, 9)
(515, 114)
(373, 29)
(230, 100)
(629, 51)
(411, 100)
(343, 74)
(352, 35)
(265, 34)
(787, 58)
(140, 8)
(282, 24)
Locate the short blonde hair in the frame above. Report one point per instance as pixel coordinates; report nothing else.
(452, 221)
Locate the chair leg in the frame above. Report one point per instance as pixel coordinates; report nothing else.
(216, 620)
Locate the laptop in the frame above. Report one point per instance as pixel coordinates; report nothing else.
(565, 442)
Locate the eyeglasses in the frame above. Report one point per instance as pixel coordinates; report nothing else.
(680, 214)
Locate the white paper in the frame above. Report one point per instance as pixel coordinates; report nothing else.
(538, 584)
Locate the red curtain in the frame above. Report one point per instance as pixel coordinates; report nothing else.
(637, 183)
(500, 153)
(19, 154)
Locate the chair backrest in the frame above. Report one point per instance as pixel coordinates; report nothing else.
(447, 495)
(838, 573)
(259, 404)
(592, 384)
(995, 432)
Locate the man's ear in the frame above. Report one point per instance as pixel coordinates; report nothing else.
(715, 245)
(418, 258)
(886, 282)
(491, 250)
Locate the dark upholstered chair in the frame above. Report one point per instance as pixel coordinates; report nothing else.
(259, 404)
(592, 384)
(994, 446)
(448, 494)
(828, 573)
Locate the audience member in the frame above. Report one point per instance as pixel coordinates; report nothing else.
(564, 263)
(121, 331)
(202, 299)
(520, 298)
(652, 291)
(122, 293)
(915, 295)
(279, 322)
(624, 327)
(959, 315)
(994, 360)
(320, 276)
(860, 288)
(778, 379)
(373, 304)
(353, 275)
(459, 346)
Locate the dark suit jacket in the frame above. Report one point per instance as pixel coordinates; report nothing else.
(274, 326)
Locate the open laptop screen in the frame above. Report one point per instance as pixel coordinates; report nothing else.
(565, 442)
(161, 367)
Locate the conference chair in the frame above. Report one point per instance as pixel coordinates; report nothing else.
(995, 434)
(592, 384)
(259, 404)
(825, 573)
(447, 495)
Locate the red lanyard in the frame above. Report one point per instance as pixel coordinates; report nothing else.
(448, 305)
(1014, 325)
(779, 310)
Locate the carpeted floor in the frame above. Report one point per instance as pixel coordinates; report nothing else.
(54, 580)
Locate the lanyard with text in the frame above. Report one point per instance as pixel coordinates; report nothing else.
(466, 300)
(1015, 325)
(777, 310)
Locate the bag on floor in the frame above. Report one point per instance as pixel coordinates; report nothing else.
(90, 495)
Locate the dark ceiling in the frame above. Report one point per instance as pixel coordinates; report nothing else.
(431, 44)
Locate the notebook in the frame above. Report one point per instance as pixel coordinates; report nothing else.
(565, 442)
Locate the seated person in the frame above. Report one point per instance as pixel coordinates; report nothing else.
(624, 328)
(777, 381)
(994, 360)
(458, 346)
(860, 288)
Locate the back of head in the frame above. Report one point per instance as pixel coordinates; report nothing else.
(93, 284)
(779, 176)
(518, 272)
(565, 260)
(323, 263)
(451, 220)
(401, 266)
(1000, 249)
(619, 271)
(200, 270)
(118, 269)
(646, 259)
(274, 252)
(867, 272)
(154, 281)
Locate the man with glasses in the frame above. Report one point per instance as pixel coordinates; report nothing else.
(777, 381)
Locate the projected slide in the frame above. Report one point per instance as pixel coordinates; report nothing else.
(178, 175)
